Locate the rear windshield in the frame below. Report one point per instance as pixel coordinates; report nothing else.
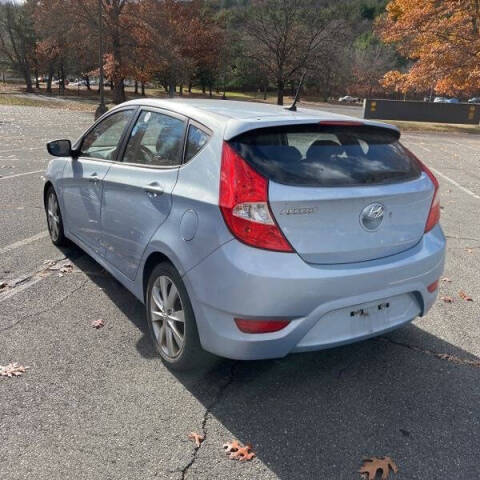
(327, 155)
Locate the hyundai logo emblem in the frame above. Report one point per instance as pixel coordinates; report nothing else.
(372, 216)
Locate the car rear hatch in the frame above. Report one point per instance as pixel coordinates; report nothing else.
(340, 192)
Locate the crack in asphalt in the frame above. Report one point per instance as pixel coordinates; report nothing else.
(441, 356)
(455, 237)
(208, 410)
(51, 307)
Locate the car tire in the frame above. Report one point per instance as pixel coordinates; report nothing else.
(54, 219)
(171, 320)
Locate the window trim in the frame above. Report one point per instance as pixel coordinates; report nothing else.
(201, 127)
(126, 138)
(79, 142)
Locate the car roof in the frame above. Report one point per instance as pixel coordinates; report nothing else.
(236, 117)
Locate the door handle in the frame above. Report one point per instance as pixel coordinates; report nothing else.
(154, 189)
(94, 178)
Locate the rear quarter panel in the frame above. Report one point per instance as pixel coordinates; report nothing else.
(195, 226)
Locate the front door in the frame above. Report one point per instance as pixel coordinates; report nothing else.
(137, 193)
(84, 175)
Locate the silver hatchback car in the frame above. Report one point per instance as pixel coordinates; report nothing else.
(250, 231)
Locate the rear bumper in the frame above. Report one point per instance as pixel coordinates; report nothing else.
(240, 281)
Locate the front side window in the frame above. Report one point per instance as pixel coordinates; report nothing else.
(103, 141)
(196, 140)
(156, 139)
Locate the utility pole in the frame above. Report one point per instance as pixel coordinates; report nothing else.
(101, 109)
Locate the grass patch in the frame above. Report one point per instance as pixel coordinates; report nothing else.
(8, 99)
(434, 127)
(25, 101)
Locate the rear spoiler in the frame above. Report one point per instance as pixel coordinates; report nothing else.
(236, 127)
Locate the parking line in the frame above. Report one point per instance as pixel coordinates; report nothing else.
(453, 182)
(21, 243)
(22, 149)
(21, 174)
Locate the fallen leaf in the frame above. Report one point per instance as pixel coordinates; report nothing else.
(236, 451)
(447, 299)
(3, 285)
(12, 370)
(370, 467)
(98, 323)
(67, 268)
(243, 454)
(469, 250)
(446, 280)
(464, 296)
(197, 438)
(232, 446)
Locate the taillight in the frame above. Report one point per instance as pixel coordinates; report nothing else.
(434, 213)
(260, 326)
(244, 204)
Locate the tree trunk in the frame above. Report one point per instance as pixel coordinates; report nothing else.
(210, 90)
(181, 89)
(189, 87)
(136, 87)
(118, 91)
(49, 79)
(61, 83)
(87, 81)
(28, 78)
(280, 90)
(143, 89)
(204, 88)
(28, 82)
(171, 90)
(265, 91)
(37, 82)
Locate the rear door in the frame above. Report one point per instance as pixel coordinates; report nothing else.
(137, 194)
(83, 177)
(341, 193)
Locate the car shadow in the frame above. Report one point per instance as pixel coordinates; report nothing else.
(318, 415)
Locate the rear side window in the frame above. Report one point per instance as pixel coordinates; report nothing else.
(327, 155)
(196, 140)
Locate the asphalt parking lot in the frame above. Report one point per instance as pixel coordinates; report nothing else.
(99, 404)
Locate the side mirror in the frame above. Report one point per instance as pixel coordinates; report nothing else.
(60, 148)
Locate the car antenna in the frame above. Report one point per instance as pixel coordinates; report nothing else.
(293, 106)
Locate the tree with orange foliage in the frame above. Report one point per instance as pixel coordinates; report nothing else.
(174, 40)
(443, 40)
(119, 18)
(54, 41)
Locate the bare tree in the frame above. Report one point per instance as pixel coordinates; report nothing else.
(285, 36)
(17, 39)
(370, 63)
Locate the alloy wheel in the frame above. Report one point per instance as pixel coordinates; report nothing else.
(168, 317)
(53, 216)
